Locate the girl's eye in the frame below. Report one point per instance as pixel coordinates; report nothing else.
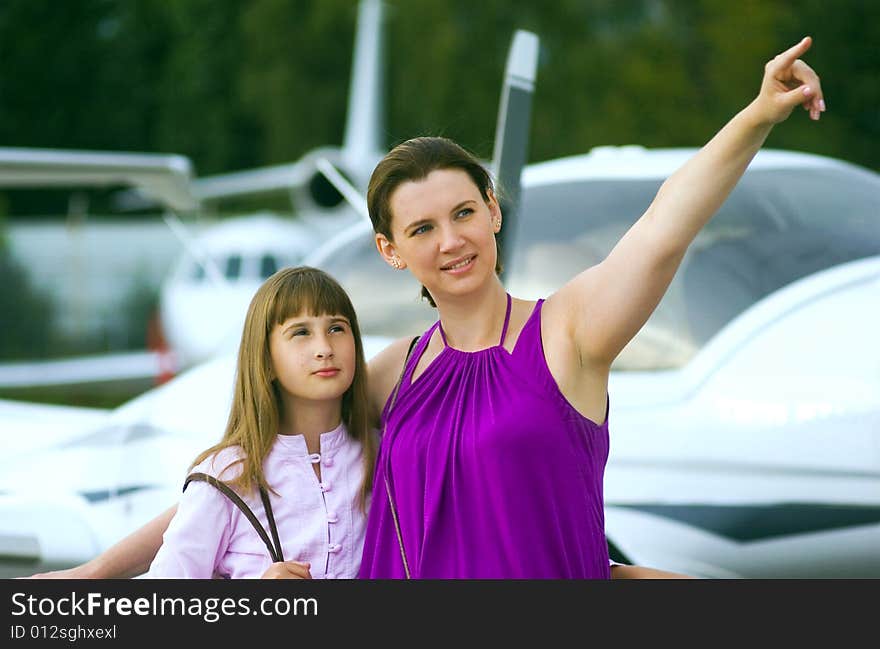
(337, 329)
(301, 332)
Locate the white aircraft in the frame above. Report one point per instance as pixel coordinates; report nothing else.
(69, 489)
(164, 178)
(224, 263)
(745, 415)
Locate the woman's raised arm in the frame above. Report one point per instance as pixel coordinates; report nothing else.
(603, 307)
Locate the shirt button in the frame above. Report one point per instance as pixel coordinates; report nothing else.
(334, 548)
(314, 458)
(326, 486)
(328, 461)
(332, 517)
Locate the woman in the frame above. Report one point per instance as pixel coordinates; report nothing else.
(492, 459)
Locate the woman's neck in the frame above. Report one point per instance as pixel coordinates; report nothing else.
(474, 321)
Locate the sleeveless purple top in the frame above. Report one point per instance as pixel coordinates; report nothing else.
(493, 474)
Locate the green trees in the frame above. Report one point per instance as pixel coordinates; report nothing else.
(234, 84)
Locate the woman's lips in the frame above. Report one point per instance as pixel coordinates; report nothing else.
(460, 266)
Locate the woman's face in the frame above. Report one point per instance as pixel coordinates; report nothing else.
(443, 232)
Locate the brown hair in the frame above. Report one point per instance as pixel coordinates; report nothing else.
(256, 403)
(411, 161)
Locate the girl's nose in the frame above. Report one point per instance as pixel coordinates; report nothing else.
(324, 352)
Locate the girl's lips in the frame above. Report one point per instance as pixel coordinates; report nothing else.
(327, 372)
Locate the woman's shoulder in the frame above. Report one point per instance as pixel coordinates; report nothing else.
(384, 370)
(387, 364)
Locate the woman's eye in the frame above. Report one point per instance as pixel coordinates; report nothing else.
(421, 229)
(465, 212)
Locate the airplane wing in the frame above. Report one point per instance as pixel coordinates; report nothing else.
(33, 427)
(165, 178)
(86, 369)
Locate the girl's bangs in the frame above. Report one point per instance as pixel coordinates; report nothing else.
(311, 294)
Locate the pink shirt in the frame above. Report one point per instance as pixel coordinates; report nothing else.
(321, 523)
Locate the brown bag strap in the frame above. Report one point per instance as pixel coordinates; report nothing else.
(387, 484)
(271, 516)
(275, 551)
(412, 344)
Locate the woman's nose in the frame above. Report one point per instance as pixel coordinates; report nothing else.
(450, 239)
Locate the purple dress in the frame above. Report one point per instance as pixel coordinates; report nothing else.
(493, 474)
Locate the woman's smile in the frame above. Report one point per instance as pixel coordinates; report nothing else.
(460, 265)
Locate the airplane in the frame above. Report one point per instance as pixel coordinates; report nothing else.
(745, 415)
(69, 491)
(165, 178)
(224, 263)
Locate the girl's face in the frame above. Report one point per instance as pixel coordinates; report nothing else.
(443, 231)
(313, 357)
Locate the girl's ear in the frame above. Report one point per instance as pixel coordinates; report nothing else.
(389, 253)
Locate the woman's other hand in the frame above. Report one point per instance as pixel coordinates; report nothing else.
(288, 570)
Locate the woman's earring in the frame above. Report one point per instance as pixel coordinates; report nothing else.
(497, 223)
(395, 262)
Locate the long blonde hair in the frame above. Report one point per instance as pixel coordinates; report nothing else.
(256, 403)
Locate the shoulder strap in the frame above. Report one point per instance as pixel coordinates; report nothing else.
(412, 344)
(274, 551)
(387, 484)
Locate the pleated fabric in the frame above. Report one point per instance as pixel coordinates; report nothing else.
(493, 474)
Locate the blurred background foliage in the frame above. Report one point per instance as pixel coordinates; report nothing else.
(234, 85)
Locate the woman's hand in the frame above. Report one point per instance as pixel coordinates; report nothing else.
(288, 570)
(788, 82)
(77, 572)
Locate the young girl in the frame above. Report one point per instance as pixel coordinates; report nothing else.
(297, 430)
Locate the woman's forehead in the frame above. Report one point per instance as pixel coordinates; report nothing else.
(431, 196)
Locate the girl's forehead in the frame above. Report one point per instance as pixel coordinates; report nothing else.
(309, 316)
(433, 195)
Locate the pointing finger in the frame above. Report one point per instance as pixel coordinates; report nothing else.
(789, 56)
